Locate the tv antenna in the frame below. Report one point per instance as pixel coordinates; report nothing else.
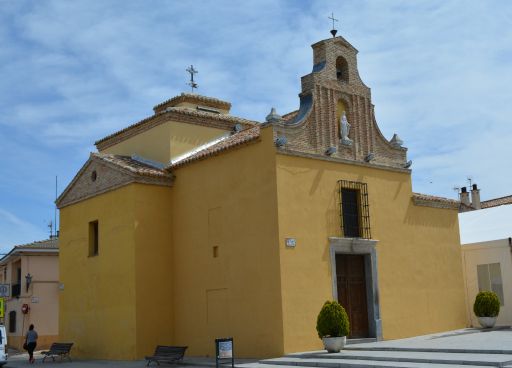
(470, 180)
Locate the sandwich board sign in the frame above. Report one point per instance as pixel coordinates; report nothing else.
(2, 308)
(224, 352)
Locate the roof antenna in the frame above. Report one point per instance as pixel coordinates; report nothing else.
(192, 71)
(470, 180)
(456, 189)
(333, 31)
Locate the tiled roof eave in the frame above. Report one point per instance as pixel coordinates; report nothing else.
(221, 121)
(188, 96)
(123, 162)
(49, 246)
(434, 201)
(135, 175)
(36, 249)
(495, 202)
(48, 243)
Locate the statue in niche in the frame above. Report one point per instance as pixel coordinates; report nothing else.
(345, 130)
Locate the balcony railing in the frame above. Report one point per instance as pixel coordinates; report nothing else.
(16, 290)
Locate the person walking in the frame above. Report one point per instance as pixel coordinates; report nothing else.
(31, 342)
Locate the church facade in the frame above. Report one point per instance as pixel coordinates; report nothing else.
(194, 224)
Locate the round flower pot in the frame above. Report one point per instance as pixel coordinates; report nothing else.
(487, 322)
(334, 344)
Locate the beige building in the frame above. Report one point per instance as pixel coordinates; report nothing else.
(485, 234)
(32, 273)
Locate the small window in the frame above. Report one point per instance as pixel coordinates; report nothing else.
(12, 321)
(350, 212)
(489, 279)
(354, 209)
(93, 238)
(215, 251)
(341, 69)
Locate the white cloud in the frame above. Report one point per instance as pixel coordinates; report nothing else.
(73, 72)
(15, 231)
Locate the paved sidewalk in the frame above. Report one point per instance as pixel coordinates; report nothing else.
(454, 349)
(499, 338)
(460, 348)
(21, 360)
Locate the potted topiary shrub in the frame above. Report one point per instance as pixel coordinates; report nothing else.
(487, 308)
(333, 326)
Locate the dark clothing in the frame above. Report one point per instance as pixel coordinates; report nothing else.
(31, 346)
(31, 336)
(31, 341)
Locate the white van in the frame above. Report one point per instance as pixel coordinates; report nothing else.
(3, 346)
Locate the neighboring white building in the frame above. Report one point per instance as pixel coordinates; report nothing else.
(486, 238)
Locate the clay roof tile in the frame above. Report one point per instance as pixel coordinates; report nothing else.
(497, 202)
(135, 165)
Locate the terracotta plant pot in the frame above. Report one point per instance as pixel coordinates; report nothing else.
(334, 344)
(487, 322)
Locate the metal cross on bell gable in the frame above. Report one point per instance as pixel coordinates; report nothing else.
(333, 30)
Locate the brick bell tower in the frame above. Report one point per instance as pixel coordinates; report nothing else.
(336, 115)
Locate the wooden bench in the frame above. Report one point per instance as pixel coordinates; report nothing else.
(167, 354)
(58, 349)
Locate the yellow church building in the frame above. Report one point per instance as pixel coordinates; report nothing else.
(194, 224)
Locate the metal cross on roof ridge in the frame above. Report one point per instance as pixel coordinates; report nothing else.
(192, 71)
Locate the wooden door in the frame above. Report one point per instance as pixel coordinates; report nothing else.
(351, 281)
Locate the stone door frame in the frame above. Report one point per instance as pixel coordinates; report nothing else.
(364, 247)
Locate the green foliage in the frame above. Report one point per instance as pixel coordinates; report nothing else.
(487, 304)
(332, 320)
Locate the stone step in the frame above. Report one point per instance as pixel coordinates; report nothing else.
(335, 360)
(365, 340)
(367, 364)
(429, 350)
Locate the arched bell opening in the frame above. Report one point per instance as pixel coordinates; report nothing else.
(341, 69)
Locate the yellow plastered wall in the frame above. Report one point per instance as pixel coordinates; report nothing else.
(418, 251)
(97, 304)
(166, 141)
(153, 271)
(228, 201)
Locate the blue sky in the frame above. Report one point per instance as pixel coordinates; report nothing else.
(72, 72)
